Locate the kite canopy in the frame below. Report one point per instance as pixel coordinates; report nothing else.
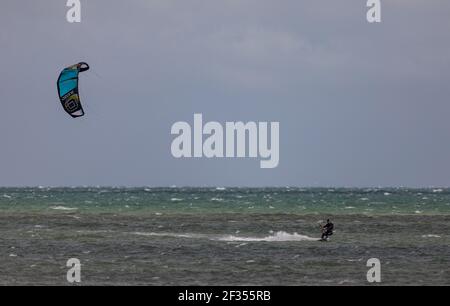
(68, 89)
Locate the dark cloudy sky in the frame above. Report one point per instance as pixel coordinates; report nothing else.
(359, 104)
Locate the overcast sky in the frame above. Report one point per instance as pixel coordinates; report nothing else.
(359, 104)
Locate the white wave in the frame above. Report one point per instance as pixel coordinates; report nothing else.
(63, 208)
(278, 236)
(174, 235)
(437, 190)
(220, 188)
(431, 236)
(217, 199)
(354, 260)
(93, 231)
(176, 199)
(275, 237)
(7, 196)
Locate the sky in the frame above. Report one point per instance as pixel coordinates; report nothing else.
(359, 104)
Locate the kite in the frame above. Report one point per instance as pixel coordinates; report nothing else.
(68, 89)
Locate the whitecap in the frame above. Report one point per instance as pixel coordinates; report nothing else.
(431, 236)
(354, 260)
(63, 208)
(174, 235)
(93, 231)
(278, 236)
(220, 188)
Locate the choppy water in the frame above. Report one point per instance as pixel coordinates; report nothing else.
(220, 236)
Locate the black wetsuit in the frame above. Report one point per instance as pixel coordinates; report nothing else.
(327, 230)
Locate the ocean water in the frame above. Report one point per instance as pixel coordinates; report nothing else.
(223, 236)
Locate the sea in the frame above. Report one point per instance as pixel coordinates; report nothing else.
(224, 236)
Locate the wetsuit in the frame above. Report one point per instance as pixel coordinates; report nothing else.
(327, 230)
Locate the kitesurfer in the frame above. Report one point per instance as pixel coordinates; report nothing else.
(327, 230)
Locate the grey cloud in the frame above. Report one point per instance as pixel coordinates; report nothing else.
(358, 104)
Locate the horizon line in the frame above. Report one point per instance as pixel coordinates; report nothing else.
(225, 186)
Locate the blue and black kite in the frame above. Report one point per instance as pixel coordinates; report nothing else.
(68, 89)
